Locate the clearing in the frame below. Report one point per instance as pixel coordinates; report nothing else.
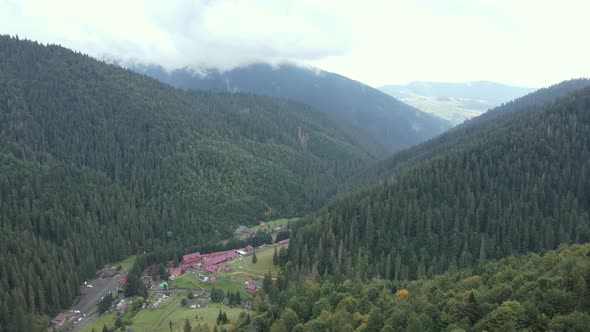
(276, 222)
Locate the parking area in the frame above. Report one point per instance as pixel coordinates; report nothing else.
(89, 298)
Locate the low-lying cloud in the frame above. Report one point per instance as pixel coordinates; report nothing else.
(221, 34)
(526, 42)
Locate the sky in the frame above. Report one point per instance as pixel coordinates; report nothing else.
(520, 42)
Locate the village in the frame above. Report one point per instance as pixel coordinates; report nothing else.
(198, 286)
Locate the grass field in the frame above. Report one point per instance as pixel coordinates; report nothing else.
(170, 310)
(228, 282)
(276, 222)
(107, 319)
(262, 266)
(127, 263)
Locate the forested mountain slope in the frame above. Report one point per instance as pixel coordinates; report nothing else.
(520, 293)
(465, 135)
(98, 162)
(521, 185)
(393, 124)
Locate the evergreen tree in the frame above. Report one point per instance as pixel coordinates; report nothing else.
(275, 257)
(187, 326)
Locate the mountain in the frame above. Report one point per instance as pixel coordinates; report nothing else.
(393, 124)
(98, 163)
(455, 102)
(517, 182)
(464, 135)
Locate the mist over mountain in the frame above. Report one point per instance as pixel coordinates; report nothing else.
(455, 102)
(393, 124)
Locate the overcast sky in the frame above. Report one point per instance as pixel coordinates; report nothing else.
(522, 42)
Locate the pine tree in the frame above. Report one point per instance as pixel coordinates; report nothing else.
(219, 317)
(267, 283)
(187, 326)
(275, 257)
(254, 258)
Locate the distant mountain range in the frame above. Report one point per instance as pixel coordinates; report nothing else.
(393, 124)
(455, 102)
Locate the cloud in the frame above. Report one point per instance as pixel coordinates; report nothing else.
(220, 34)
(525, 42)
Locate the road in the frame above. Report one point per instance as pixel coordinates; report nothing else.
(88, 300)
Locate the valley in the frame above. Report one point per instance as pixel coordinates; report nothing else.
(455, 102)
(228, 166)
(167, 300)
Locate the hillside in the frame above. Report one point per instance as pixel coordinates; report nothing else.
(465, 135)
(455, 102)
(520, 183)
(532, 292)
(98, 162)
(393, 124)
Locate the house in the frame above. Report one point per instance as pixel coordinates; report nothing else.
(170, 263)
(241, 252)
(248, 248)
(213, 279)
(252, 288)
(123, 308)
(241, 230)
(191, 258)
(175, 272)
(219, 257)
(285, 241)
(122, 281)
(58, 320)
(120, 304)
(150, 269)
(211, 269)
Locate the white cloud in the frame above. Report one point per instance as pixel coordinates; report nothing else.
(524, 42)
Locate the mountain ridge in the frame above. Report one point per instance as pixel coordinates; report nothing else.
(99, 163)
(520, 182)
(393, 124)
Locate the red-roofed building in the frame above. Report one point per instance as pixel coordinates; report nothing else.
(191, 258)
(248, 248)
(122, 281)
(216, 258)
(285, 241)
(211, 269)
(252, 288)
(58, 320)
(170, 263)
(175, 272)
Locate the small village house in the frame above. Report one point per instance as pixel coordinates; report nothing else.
(58, 320)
